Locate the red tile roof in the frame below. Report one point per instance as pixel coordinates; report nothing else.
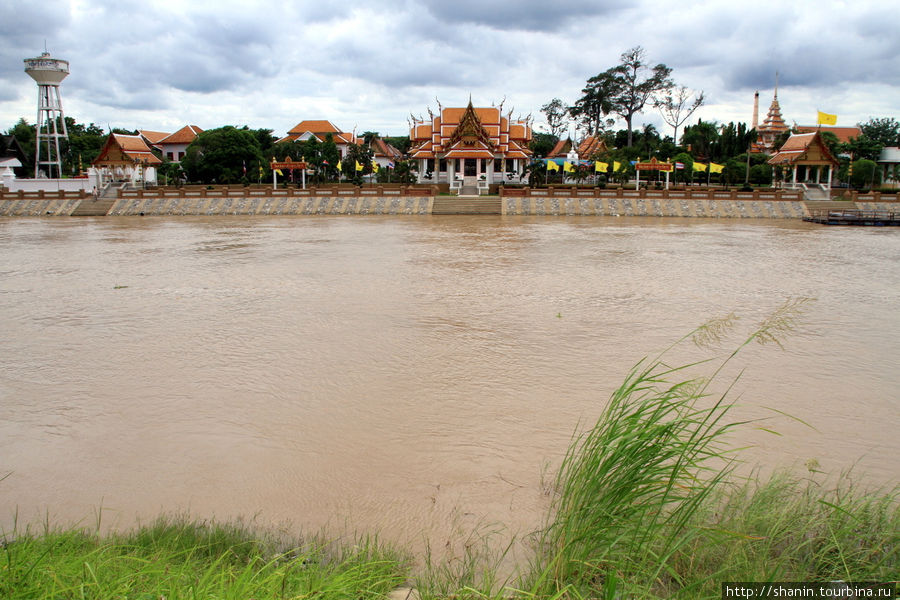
(185, 135)
(153, 136)
(843, 133)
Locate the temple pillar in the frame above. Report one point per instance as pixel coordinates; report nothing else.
(794, 183)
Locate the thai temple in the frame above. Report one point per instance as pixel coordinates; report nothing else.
(470, 148)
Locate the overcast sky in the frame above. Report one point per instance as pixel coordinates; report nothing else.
(159, 65)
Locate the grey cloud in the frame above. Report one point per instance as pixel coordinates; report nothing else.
(529, 15)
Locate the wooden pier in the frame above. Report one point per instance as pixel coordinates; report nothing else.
(871, 218)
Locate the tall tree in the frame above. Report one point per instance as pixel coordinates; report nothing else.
(636, 83)
(700, 138)
(595, 103)
(556, 113)
(676, 107)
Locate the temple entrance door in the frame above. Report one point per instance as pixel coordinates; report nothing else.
(470, 168)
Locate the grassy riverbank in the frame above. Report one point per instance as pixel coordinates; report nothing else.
(646, 504)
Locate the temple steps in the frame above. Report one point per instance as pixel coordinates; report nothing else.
(89, 207)
(466, 205)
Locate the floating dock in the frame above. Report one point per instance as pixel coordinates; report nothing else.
(870, 218)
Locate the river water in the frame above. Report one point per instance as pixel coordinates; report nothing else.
(418, 376)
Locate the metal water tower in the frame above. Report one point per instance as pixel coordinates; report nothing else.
(48, 72)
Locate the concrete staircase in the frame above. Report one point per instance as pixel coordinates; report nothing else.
(466, 205)
(100, 206)
(829, 205)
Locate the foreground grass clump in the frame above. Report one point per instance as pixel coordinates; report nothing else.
(182, 559)
(647, 504)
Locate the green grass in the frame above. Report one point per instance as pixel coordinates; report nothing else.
(177, 558)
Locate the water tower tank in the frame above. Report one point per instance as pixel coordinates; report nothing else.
(47, 70)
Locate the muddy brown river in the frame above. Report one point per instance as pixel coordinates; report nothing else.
(418, 376)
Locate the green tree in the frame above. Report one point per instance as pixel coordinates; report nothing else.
(357, 154)
(865, 174)
(542, 143)
(221, 155)
(329, 158)
(636, 83)
(700, 138)
(687, 174)
(595, 103)
(831, 141)
(265, 139)
(401, 143)
(885, 131)
(82, 147)
(733, 139)
(863, 147)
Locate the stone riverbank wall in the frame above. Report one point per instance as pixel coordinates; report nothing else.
(413, 200)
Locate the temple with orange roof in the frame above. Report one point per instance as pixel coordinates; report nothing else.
(805, 156)
(470, 148)
(320, 130)
(126, 157)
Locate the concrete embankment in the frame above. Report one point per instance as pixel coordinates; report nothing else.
(381, 202)
(316, 205)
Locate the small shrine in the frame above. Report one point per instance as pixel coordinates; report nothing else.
(806, 156)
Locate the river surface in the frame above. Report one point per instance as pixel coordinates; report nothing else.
(418, 376)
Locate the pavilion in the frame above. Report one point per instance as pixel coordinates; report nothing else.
(126, 158)
(470, 148)
(806, 154)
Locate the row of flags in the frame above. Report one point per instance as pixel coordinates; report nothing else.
(603, 167)
(340, 167)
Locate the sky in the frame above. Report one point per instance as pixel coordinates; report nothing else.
(162, 64)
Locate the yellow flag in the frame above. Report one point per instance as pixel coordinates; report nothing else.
(359, 167)
(826, 119)
(698, 166)
(374, 167)
(714, 168)
(568, 167)
(552, 166)
(616, 165)
(600, 167)
(340, 166)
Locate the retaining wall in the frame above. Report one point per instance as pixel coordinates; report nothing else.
(655, 207)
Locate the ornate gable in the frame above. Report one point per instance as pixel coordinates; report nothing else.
(470, 132)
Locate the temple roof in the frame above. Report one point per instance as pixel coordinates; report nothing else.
(804, 148)
(469, 132)
(844, 134)
(120, 148)
(774, 121)
(318, 129)
(153, 137)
